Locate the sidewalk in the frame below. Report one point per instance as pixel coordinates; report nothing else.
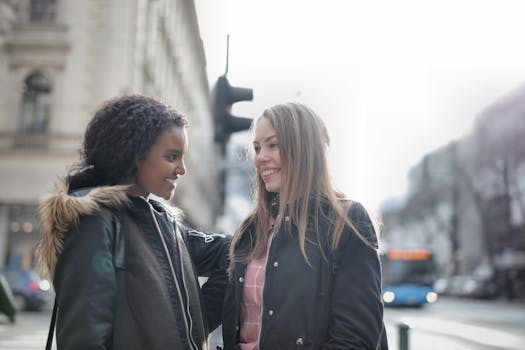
(28, 332)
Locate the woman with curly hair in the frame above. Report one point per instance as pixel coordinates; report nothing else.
(124, 267)
(304, 270)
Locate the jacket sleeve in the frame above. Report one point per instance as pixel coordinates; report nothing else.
(85, 285)
(356, 306)
(209, 253)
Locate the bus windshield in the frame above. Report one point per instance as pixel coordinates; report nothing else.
(411, 271)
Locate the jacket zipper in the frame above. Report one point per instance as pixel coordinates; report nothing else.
(166, 251)
(179, 243)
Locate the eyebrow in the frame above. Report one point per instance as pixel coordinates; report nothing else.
(266, 139)
(174, 151)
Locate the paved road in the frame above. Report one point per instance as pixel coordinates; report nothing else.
(461, 324)
(28, 332)
(451, 324)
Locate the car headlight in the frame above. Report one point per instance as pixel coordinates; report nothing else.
(44, 285)
(388, 296)
(431, 297)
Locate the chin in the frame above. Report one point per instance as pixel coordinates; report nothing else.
(168, 196)
(165, 195)
(272, 189)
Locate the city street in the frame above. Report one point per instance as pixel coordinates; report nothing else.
(461, 324)
(29, 331)
(452, 324)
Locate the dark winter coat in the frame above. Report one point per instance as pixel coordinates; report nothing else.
(126, 272)
(325, 303)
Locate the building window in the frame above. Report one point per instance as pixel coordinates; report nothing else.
(42, 10)
(36, 104)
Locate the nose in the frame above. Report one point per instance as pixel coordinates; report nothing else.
(181, 168)
(261, 157)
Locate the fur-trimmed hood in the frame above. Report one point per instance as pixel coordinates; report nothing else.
(61, 209)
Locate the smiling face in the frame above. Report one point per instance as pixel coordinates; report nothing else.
(267, 155)
(163, 164)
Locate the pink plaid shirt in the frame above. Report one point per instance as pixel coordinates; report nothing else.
(252, 300)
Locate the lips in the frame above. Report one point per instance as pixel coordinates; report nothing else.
(172, 181)
(267, 173)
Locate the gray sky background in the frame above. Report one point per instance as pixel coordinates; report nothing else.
(393, 79)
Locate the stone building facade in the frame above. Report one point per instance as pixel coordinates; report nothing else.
(58, 61)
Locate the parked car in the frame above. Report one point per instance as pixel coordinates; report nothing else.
(467, 286)
(29, 290)
(483, 288)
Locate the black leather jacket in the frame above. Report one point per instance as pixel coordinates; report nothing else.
(326, 303)
(126, 277)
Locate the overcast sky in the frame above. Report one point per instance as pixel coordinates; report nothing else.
(393, 79)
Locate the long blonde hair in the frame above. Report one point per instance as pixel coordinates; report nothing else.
(305, 183)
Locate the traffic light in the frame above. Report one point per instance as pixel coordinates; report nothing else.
(224, 95)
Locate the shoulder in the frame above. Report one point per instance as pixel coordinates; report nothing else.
(364, 224)
(358, 213)
(63, 210)
(62, 207)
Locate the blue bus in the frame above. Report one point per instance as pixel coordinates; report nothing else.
(408, 277)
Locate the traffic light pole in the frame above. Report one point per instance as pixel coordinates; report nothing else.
(224, 96)
(225, 124)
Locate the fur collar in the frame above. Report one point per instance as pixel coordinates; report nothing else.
(58, 211)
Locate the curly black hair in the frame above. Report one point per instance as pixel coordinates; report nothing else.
(121, 132)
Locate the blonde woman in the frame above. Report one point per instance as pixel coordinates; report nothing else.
(304, 270)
